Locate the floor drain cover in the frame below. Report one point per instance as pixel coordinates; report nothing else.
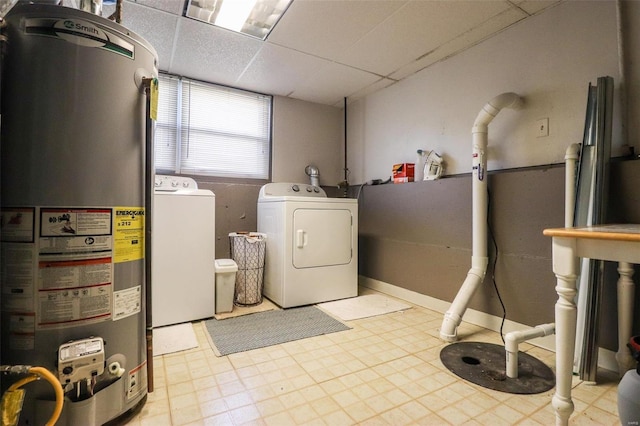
(484, 364)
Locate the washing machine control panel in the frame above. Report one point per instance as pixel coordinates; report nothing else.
(284, 189)
(174, 183)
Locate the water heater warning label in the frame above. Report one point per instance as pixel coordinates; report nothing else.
(74, 278)
(127, 302)
(62, 263)
(72, 222)
(137, 381)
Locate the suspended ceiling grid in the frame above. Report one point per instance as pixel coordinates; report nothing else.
(324, 50)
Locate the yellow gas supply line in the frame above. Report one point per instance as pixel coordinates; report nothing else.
(13, 398)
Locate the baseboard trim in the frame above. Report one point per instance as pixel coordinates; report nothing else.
(606, 358)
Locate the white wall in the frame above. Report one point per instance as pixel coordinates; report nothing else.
(307, 133)
(548, 59)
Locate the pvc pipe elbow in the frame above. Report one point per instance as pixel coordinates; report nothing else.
(572, 152)
(453, 317)
(493, 107)
(448, 331)
(512, 339)
(506, 100)
(479, 265)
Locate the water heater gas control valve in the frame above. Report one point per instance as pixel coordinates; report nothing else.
(80, 359)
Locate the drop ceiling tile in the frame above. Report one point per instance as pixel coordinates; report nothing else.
(323, 50)
(415, 29)
(156, 27)
(278, 71)
(326, 28)
(333, 82)
(209, 53)
(172, 6)
(535, 6)
(463, 41)
(372, 88)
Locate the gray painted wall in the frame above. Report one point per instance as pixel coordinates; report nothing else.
(306, 133)
(418, 236)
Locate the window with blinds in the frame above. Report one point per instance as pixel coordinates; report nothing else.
(204, 129)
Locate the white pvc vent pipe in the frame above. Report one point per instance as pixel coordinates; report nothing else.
(514, 338)
(479, 258)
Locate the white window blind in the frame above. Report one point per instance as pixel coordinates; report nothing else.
(204, 129)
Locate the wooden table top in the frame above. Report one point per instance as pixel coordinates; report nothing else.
(616, 232)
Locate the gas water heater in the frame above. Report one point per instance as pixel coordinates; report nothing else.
(73, 196)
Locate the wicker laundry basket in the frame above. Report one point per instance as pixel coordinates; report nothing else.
(248, 251)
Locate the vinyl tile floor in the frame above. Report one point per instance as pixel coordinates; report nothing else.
(386, 370)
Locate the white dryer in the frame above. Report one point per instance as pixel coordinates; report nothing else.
(312, 244)
(182, 251)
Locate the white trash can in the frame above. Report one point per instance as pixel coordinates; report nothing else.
(225, 270)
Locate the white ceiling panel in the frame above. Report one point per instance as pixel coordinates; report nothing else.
(267, 65)
(324, 50)
(372, 88)
(172, 6)
(212, 54)
(332, 83)
(462, 42)
(534, 6)
(415, 29)
(326, 28)
(157, 27)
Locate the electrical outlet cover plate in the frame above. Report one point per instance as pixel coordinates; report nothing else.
(542, 126)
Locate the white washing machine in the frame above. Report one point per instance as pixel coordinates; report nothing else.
(182, 251)
(312, 244)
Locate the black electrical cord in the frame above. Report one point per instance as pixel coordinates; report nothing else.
(494, 263)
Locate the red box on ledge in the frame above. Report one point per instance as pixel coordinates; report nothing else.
(403, 172)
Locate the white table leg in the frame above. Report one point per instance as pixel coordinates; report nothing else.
(626, 295)
(565, 265)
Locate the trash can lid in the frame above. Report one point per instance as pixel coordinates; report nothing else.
(225, 265)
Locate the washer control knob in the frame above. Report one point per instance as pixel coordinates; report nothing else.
(316, 190)
(295, 188)
(309, 189)
(174, 183)
(185, 184)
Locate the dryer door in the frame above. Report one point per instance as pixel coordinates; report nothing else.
(321, 237)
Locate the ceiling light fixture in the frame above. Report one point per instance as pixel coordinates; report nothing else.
(252, 17)
(233, 14)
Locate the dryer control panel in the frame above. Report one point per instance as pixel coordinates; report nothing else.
(284, 189)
